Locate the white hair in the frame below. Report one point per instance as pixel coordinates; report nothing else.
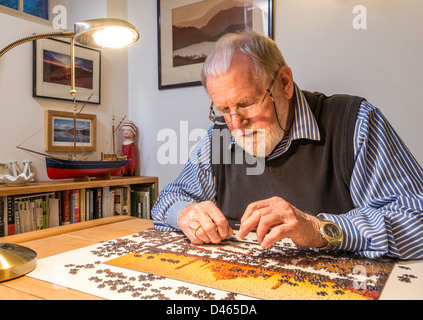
(261, 50)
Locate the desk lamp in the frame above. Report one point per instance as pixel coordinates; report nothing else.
(16, 260)
(97, 33)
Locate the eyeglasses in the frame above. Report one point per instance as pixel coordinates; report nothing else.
(246, 112)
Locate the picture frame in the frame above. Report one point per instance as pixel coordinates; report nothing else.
(52, 76)
(187, 30)
(59, 131)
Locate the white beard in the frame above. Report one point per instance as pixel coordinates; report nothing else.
(262, 143)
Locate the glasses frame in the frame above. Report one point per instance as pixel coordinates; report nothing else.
(213, 117)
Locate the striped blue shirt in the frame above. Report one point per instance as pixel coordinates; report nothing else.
(386, 186)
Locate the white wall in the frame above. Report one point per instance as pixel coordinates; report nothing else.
(22, 116)
(382, 63)
(154, 110)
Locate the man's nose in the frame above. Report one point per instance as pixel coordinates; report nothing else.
(237, 121)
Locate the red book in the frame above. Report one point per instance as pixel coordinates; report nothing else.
(66, 207)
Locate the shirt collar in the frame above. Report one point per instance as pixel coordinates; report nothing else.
(304, 125)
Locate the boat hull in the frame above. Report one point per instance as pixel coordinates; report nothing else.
(71, 169)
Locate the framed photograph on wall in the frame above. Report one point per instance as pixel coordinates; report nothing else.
(188, 29)
(52, 71)
(59, 135)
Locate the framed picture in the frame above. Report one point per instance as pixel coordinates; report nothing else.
(188, 29)
(52, 71)
(59, 134)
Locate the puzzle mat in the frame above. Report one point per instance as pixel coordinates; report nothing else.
(165, 265)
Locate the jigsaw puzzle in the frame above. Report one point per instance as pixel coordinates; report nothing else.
(161, 265)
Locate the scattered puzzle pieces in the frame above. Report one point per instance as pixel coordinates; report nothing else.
(165, 265)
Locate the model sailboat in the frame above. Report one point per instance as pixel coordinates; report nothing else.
(74, 169)
(108, 166)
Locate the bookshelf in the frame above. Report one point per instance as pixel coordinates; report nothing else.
(137, 194)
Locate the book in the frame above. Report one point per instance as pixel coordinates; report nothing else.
(136, 204)
(17, 218)
(45, 212)
(145, 197)
(54, 212)
(126, 200)
(118, 201)
(10, 215)
(65, 218)
(21, 211)
(37, 209)
(58, 195)
(82, 205)
(91, 204)
(31, 215)
(108, 202)
(75, 213)
(97, 199)
(2, 233)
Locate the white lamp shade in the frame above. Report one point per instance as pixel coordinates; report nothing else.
(105, 33)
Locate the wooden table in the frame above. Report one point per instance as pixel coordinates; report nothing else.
(57, 240)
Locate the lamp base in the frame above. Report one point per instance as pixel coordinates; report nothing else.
(16, 261)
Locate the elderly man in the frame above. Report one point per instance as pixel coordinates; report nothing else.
(336, 176)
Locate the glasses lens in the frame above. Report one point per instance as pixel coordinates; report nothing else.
(246, 113)
(221, 119)
(250, 111)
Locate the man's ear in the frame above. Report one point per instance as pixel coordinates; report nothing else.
(286, 78)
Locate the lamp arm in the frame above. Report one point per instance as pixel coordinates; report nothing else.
(63, 34)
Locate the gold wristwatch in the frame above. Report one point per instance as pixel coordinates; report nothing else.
(331, 233)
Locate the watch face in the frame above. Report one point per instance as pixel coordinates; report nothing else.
(332, 230)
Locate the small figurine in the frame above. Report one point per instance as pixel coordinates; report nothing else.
(18, 177)
(129, 148)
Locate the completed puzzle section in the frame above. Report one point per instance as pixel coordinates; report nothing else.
(243, 267)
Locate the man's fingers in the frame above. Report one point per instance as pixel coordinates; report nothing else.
(204, 222)
(252, 207)
(274, 235)
(220, 223)
(252, 222)
(267, 222)
(208, 231)
(191, 232)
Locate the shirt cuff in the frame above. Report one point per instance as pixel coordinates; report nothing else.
(174, 211)
(352, 238)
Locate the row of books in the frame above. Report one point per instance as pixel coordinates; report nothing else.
(19, 214)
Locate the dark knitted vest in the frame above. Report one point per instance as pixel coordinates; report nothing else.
(314, 176)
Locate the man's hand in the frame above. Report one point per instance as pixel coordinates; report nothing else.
(203, 223)
(275, 219)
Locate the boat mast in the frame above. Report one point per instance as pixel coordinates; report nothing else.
(113, 135)
(114, 129)
(75, 115)
(74, 128)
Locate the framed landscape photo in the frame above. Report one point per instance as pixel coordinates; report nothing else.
(52, 71)
(188, 29)
(59, 134)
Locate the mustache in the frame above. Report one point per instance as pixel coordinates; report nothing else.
(247, 132)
